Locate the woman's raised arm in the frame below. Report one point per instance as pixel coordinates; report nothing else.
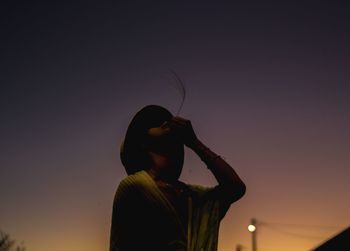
(231, 186)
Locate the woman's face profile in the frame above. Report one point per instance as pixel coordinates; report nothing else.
(164, 141)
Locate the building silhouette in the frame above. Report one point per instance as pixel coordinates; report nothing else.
(340, 242)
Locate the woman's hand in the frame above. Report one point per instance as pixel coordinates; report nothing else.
(231, 187)
(183, 129)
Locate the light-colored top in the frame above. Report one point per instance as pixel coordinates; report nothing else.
(144, 219)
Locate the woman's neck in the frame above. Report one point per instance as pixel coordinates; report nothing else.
(163, 168)
(161, 175)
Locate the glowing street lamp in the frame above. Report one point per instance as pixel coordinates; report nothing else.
(252, 228)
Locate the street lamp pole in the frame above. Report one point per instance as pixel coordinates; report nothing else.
(253, 229)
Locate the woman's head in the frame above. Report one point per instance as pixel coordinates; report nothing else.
(148, 132)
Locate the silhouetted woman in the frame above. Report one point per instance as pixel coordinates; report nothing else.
(152, 209)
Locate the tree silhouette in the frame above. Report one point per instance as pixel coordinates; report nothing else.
(7, 244)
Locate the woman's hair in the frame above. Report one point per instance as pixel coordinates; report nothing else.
(133, 154)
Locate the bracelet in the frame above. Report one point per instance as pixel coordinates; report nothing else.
(210, 162)
(207, 156)
(215, 158)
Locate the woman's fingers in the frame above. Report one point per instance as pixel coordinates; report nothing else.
(184, 128)
(180, 121)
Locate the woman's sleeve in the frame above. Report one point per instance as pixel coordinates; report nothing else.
(211, 196)
(127, 225)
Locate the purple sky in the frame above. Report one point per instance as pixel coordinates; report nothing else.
(267, 88)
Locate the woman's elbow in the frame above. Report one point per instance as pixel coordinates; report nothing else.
(237, 191)
(241, 190)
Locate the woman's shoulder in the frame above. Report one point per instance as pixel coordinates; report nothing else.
(131, 186)
(137, 180)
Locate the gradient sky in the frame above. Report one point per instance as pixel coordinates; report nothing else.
(267, 88)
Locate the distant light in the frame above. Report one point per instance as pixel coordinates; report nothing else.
(251, 228)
